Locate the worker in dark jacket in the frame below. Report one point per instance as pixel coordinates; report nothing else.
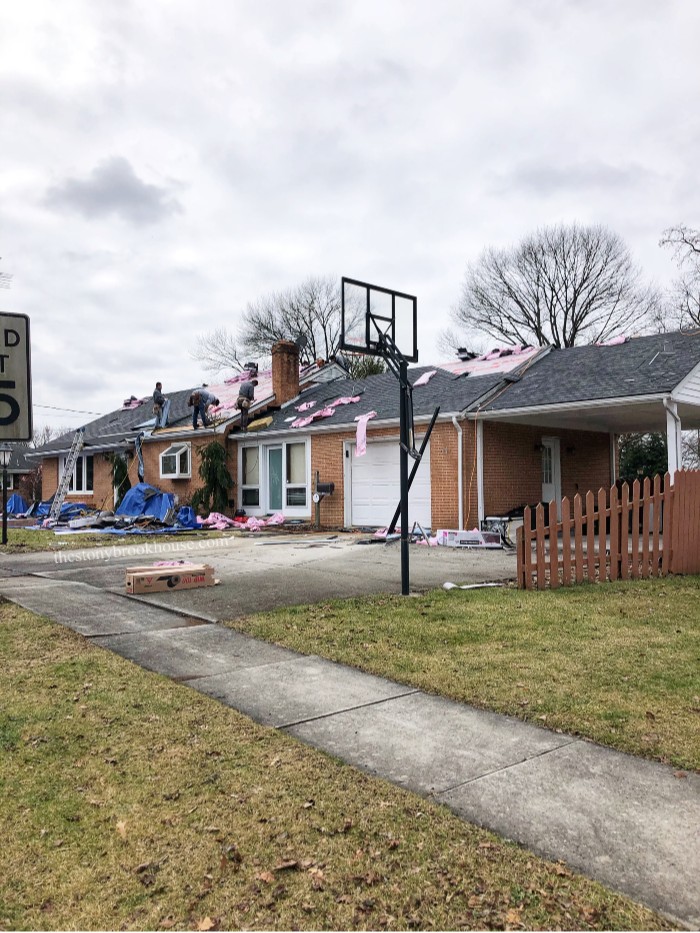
(159, 401)
(200, 400)
(246, 397)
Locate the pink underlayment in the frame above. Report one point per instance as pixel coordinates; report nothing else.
(361, 437)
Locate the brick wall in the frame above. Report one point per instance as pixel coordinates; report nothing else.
(103, 496)
(327, 458)
(285, 371)
(513, 467)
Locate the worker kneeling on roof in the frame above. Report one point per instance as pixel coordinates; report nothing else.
(246, 397)
(200, 400)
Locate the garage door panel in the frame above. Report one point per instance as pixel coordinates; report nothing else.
(376, 486)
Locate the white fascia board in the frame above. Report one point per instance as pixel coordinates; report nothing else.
(322, 428)
(687, 378)
(505, 413)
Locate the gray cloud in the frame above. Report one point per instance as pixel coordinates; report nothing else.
(113, 188)
(546, 179)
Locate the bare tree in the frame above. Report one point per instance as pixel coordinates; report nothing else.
(217, 350)
(685, 295)
(311, 310)
(560, 286)
(449, 341)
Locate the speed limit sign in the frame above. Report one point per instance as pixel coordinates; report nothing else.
(15, 378)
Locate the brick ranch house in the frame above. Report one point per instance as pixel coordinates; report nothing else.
(514, 428)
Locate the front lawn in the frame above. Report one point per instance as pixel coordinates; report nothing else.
(616, 663)
(130, 802)
(25, 540)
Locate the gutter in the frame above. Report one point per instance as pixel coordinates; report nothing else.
(460, 472)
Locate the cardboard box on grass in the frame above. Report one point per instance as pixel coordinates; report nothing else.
(176, 577)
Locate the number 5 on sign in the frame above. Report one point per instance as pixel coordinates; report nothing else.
(15, 378)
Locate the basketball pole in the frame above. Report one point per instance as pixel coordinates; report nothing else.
(403, 473)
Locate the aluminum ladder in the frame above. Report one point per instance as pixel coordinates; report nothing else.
(67, 476)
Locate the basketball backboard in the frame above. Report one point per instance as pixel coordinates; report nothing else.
(371, 313)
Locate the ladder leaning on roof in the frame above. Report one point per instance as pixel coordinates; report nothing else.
(67, 475)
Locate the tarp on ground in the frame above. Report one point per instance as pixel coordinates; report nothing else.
(186, 517)
(68, 509)
(16, 505)
(144, 499)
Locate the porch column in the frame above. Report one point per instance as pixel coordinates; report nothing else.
(480, 471)
(673, 437)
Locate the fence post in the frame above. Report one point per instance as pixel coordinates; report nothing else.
(553, 546)
(566, 541)
(590, 536)
(578, 538)
(656, 528)
(602, 537)
(614, 534)
(539, 546)
(634, 515)
(646, 506)
(624, 533)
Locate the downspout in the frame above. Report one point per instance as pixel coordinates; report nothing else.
(673, 412)
(460, 473)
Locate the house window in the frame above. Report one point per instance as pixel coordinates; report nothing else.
(250, 474)
(275, 477)
(295, 493)
(175, 462)
(10, 480)
(81, 481)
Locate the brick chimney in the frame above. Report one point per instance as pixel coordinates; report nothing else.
(285, 371)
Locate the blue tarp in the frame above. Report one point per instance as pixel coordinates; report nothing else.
(68, 509)
(143, 499)
(16, 505)
(186, 517)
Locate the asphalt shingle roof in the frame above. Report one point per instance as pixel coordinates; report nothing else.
(381, 394)
(650, 365)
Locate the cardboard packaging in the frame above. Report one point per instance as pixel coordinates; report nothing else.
(161, 579)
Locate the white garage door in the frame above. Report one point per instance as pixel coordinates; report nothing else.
(375, 486)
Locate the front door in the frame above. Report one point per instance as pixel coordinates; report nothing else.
(274, 479)
(551, 470)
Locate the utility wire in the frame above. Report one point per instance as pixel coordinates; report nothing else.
(78, 411)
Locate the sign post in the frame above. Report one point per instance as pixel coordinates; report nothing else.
(15, 378)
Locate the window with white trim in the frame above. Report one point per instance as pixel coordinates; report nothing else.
(250, 477)
(176, 462)
(295, 477)
(10, 480)
(274, 476)
(81, 481)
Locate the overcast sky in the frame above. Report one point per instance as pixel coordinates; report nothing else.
(164, 163)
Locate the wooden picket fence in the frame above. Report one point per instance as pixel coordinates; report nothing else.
(610, 536)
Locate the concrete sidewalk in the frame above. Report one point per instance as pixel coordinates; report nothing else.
(630, 823)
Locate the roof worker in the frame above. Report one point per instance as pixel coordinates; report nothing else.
(160, 406)
(246, 397)
(200, 400)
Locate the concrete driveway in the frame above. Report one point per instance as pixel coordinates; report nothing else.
(260, 573)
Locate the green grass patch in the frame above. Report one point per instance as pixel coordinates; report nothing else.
(616, 663)
(132, 802)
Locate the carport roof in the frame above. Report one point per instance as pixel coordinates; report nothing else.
(643, 366)
(615, 388)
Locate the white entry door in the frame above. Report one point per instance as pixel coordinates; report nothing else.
(375, 486)
(551, 470)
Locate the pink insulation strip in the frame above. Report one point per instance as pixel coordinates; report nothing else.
(346, 400)
(307, 406)
(425, 378)
(361, 439)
